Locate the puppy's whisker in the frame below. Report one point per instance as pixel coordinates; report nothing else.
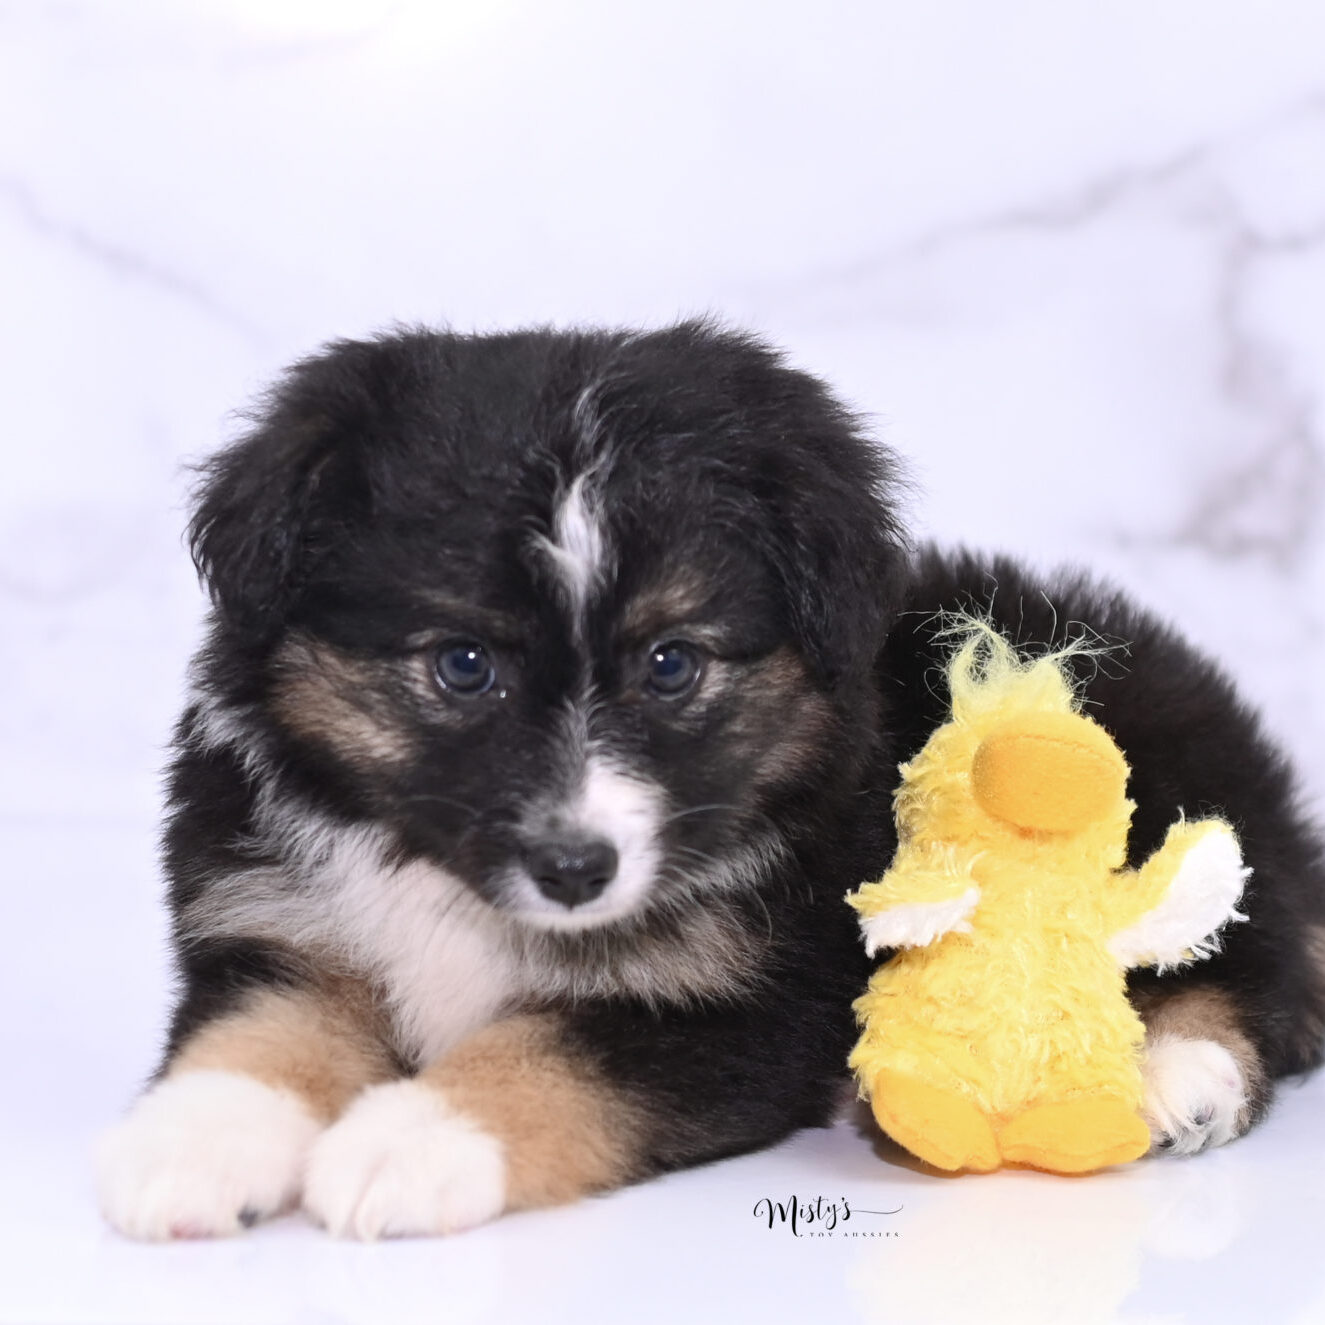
(704, 857)
(698, 809)
(431, 798)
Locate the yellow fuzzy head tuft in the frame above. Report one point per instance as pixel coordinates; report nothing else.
(988, 677)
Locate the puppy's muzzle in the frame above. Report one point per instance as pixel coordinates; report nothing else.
(571, 870)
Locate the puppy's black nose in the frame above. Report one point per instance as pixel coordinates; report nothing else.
(571, 870)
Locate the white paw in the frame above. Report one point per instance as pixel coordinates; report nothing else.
(916, 924)
(401, 1163)
(1195, 1095)
(203, 1154)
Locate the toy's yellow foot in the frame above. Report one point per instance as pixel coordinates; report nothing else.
(941, 1127)
(1075, 1136)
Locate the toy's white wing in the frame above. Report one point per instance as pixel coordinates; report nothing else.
(1202, 898)
(916, 924)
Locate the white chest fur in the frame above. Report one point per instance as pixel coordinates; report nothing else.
(437, 949)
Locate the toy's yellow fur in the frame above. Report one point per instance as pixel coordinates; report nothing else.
(1001, 1031)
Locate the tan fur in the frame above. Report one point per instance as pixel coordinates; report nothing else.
(1315, 944)
(666, 607)
(1201, 1012)
(491, 624)
(340, 702)
(1311, 1027)
(782, 699)
(566, 1133)
(321, 1045)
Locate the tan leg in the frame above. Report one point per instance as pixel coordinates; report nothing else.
(565, 1132)
(1309, 1020)
(318, 1045)
(221, 1140)
(1204, 1078)
(512, 1118)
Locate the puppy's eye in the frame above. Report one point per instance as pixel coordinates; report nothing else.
(464, 668)
(673, 670)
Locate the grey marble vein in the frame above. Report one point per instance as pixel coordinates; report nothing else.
(121, 261)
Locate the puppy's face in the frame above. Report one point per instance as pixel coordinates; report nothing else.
(571, 615)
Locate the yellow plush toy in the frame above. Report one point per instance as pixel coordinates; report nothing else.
(1000, 1030)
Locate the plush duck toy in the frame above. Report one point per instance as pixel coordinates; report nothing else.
(1000, 1031)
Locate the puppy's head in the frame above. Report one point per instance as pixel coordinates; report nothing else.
(587, 619)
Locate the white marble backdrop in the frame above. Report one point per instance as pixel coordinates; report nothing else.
(1069, 258)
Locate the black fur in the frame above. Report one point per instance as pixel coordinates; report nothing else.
(386, 500)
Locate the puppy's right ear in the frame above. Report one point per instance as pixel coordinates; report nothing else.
(266, 504)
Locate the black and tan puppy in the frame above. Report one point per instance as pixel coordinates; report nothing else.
(553, 699)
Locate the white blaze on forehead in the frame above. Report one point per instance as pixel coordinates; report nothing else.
(577, 546)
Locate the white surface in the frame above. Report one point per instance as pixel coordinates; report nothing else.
(1069, 259)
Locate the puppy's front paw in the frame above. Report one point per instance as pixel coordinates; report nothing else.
(203, 1154)
(402, 1163)
(1196, 1095)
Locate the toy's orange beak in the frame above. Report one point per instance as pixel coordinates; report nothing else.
(1050, 772)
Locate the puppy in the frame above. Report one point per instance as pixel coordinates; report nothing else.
(552, 701)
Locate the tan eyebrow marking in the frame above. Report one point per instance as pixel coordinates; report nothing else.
(329, 697)
(459, 614)
(668, 606)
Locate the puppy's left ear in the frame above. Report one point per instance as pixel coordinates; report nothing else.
(268, 502)
(842, 559)
(827, 506)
